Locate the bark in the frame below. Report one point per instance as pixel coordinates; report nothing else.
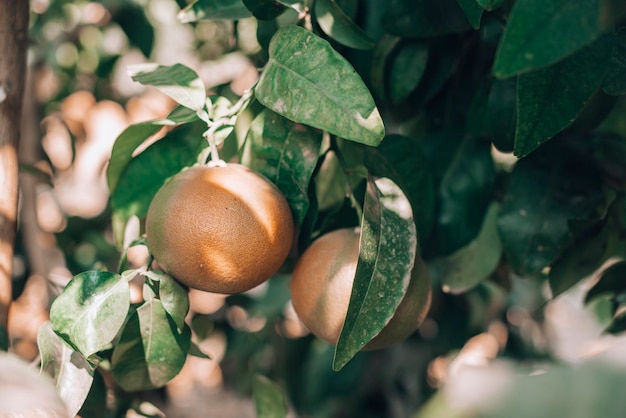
(13, 48)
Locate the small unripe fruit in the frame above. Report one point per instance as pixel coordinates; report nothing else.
(222, 229)
(321, 285)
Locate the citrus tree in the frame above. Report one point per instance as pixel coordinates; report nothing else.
(409, 162)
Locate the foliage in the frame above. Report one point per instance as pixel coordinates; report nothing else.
(482, 136)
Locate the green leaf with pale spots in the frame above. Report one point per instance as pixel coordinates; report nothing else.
(387, 251)
(91, 310)
(286, 153)
(308, 82)
(151, 351)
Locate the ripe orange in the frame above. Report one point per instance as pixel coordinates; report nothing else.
(321, 285)
(220, 229)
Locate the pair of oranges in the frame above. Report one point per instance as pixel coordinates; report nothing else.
(227, 229)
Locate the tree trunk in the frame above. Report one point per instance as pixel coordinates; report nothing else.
(13, 47)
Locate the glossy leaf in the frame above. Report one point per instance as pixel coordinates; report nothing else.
(472, 11)
(147, 172)
(286, 153)
(91, 310)
(133, 136)
(464, 177)
(214, 10)
(548, 100)
(308, 82)
(178, 81)
(542, 32)
(269, 398)
(336, 24)
(472, 264)
(72, 373)
(173, 296)
(402, 160)
(615, 79)
(265, 9)
(407, 70)
(150, 351)
(545, 192)
(387, 251)
(424, 18)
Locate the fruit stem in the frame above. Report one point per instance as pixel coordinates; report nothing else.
(209, 134)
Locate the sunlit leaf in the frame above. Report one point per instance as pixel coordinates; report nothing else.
(549, 99)
(178, 81)
(72, 373)
(286, 153)
(542, 32)
(214, 10)
(472, 264)
(387, 251)
(173, 296)
(336, 24)
(269, 398)
(150, 351)
(91, 310)
(308, 82)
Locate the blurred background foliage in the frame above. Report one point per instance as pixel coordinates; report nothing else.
(488, 311)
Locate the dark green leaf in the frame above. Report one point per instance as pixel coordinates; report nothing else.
(402, 160)
(308, 82)
(542, 32)
(71, 372)
(424, 18)
(464, 179)
(147, 172)
(388, 247)
(286, 153)
(549, 99)
(472, 11)
(383, 54)
(91, 310)
(407, 70)
(269, 398)
(336, 24)
(178, 81)
(139, 30)
(490, 4)
(612, 283)
(150, 351)
(214, 10)
(265, 9)
(4, 339)
(133, 136)
(472, 264)
(615, 79)
(546, 191)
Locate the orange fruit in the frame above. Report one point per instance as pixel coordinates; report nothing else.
(321, 285)
(222, 229)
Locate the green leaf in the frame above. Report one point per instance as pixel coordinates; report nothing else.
(382, 55)
(546, 191)
(402, 160)
(612, 283)
(549, 99)
(173, 296)
(472, 11)
(490, 5)
(286, 153)
(472, 264)
(542, 32)
(269, 398)
(133, 136)
(424, 18)
(214, 10)
(615, 79)
(72, 374)
(388, 247)
(464, 176)
(140, 31)
(148, 171)
(150, 351)
(407, 69)
(91, 310)
(4, 339)
(308, 82)
(265, 9)
(336, 24)
(178, 81)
